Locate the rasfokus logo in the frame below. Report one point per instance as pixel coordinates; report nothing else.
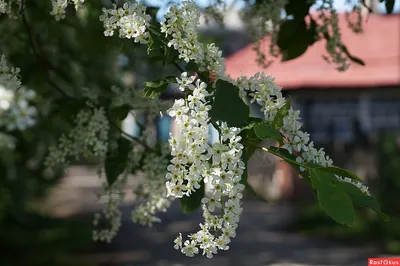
(383, 261)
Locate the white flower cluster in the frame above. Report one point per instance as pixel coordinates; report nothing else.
(152, 193)
(15, 111)
(263, 90)
(89, 139)
(5, 7)
(195, 161)
(181, 24)
(131, 20)
(59, 7)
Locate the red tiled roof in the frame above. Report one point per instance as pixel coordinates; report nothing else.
(378, 46)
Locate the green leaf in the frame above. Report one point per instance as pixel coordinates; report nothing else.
(280, 115)
(155, 41)
(249, 137)
(333, 195)
(332, 198)
(116, 160)
(252, 121)
(193, 67)
(250, 141)
(264, 131)
(287, 157)
(155, 88)
(193, 202)
(287, 32)
(228, 106)
(363, 200)
(119, 113)
(170, 55)
(158, 49)
(340, 172)
(295, 36)
(292, 38)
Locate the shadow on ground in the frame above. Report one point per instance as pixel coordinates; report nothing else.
(261, 240)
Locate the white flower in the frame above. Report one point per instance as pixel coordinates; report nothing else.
(212, 203)
(16, 112)
(131, 21)
(181, 24)
(190, 248)
(6, 97)
(178, 242)
(185, 81)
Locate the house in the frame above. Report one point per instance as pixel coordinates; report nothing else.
(340, 108)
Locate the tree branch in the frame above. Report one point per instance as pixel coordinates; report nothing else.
(132, 138)
(22, 7)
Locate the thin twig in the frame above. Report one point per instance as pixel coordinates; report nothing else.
(178, 67)
(133, 138)
(140, 124)
(22, 7)
(28, 31)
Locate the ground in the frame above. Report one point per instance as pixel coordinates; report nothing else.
(261, 239)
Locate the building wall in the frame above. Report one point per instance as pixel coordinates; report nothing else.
(347, 123)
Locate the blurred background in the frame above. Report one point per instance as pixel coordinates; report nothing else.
(354, 114)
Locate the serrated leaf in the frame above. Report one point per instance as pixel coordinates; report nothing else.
(363, 200)
(264, 131)
(193, 202)
(155, 88)
(332, 198)
(116, 160)
(228, 106)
